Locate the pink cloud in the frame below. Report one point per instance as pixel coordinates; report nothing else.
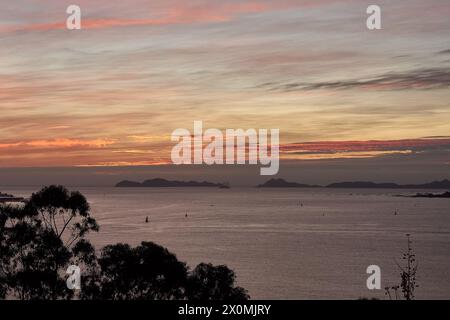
(169, 13)
(179, 14)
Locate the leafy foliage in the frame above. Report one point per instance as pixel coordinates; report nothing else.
(208, 282)
(40, 239)
(148, 271)
(407, 275)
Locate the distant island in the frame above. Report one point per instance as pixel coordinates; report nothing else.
(429, 195)
(281, 183)
(163, 183)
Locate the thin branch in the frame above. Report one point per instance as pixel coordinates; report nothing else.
(65, 225)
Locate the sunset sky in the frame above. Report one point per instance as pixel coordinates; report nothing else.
(112, 93)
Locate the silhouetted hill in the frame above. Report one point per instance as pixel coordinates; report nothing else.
(128, 184)
(444, 184)
(362, 184)
(281, 183)
(163, 183)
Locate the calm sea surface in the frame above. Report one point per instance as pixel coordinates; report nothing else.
(279, 248)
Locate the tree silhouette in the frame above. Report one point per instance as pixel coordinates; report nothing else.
(208, 282)
(146, 272)
(66, 213)
(151, 272)
(40, 239)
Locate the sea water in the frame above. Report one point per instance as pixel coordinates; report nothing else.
(285, 243)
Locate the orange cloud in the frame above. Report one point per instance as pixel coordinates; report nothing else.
(84, 153)
(127, 163)
(343, 155)
(59, 143)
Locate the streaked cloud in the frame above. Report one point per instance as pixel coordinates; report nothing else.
(372, 145)
(109, 152)
(125, 164)
(180, 13)
(414, 79)
(343, 155)
(58, 143)
(361, 149)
